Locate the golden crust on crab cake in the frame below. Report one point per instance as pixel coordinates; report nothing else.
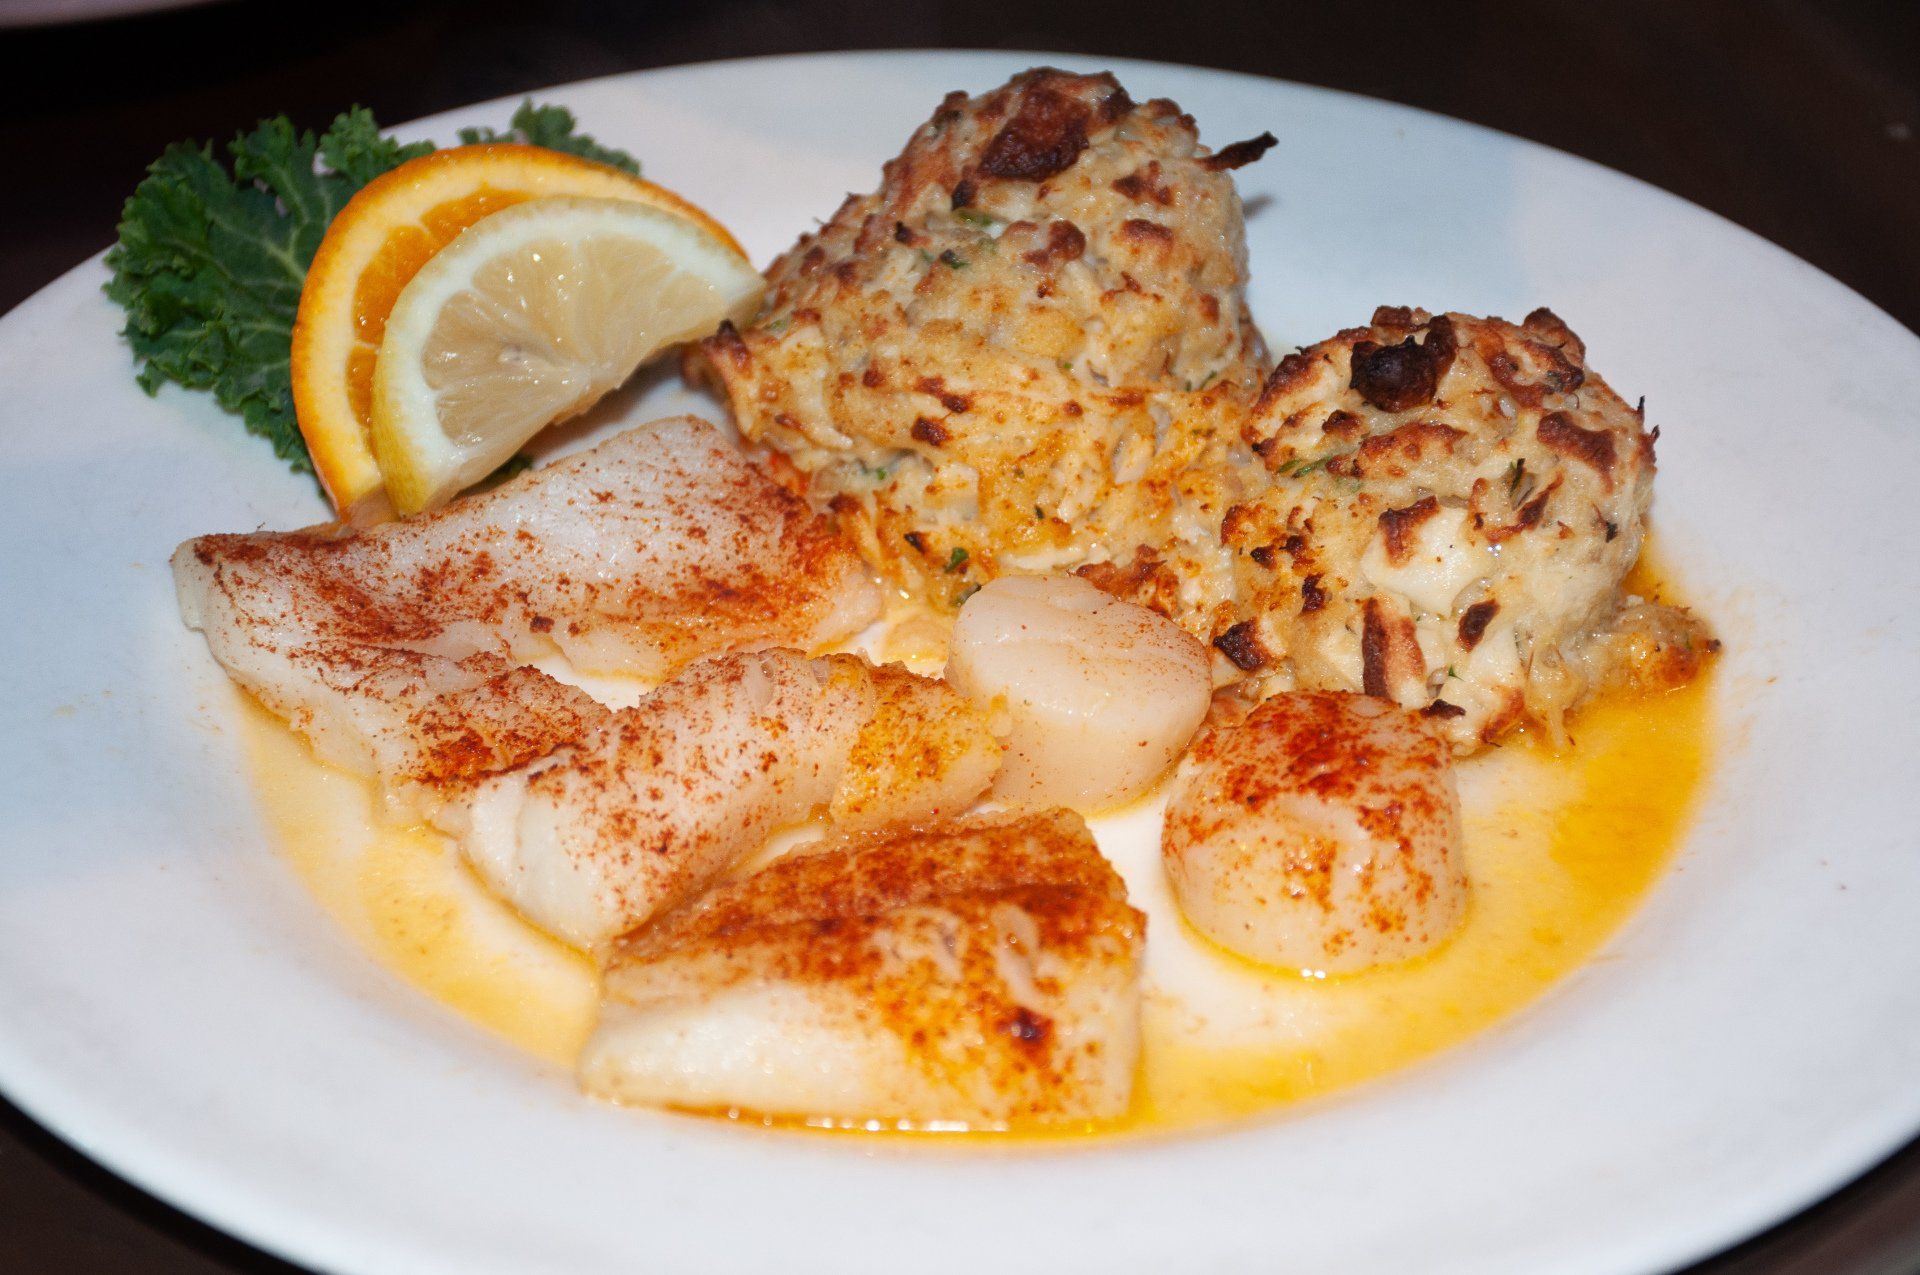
(981, 972)
(1028, 346)
(1452, 505)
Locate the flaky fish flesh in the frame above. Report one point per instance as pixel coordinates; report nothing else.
(658, 546)
(650, 803)
(398, 652)
(982, 973)
(394, 650)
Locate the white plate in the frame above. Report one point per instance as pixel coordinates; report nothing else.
(176, 1005)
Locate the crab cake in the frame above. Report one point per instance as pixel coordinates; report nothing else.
(1029, 346)
(1451, 506)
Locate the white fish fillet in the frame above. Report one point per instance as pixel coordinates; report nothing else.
(984, 973)
(396, 651)
(659, 545)
(652, 802)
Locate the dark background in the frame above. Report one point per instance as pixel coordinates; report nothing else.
(1793, 118)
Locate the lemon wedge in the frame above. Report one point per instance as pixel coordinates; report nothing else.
(530, 316)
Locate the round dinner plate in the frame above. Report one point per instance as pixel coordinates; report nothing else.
(174, 1003)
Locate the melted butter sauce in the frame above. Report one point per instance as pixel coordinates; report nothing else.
(914, 634)
(411, 902)
(1560, 848)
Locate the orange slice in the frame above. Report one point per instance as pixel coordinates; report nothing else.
(373, 249)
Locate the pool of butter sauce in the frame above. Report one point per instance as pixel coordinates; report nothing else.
(1559, 849)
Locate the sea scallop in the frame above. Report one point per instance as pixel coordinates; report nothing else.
(1322, 834)
(1101, 696)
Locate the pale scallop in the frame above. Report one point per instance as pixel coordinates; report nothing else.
(1322, 834)
(1101, 696)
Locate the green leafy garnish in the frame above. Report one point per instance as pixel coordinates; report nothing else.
(957, 561)
(209, 263)
(512, 467)
(1301, 466)
(953, 259)
(552, 127)
(975, 217)
(211, 255)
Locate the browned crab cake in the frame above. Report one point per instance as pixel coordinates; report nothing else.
(1028, 349)
(1452, 506)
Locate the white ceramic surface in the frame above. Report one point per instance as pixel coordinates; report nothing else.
(174, 1003)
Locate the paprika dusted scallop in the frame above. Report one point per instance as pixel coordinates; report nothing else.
(1322, 833)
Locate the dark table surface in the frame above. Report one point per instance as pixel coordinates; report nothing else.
(1793, 118)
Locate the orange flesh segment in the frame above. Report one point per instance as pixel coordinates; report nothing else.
(407, 248)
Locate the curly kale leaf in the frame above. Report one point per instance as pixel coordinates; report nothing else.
(210, 262)
(357, 150)
(552, 127)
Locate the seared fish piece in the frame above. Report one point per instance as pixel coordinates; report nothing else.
(660, 545)
(651, 803)
(425, 727)
(983, 973)
(394, 650)
(1322, 833)
(1027, 348)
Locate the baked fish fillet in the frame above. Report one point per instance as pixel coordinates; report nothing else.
(981, 973)
(649, 804)
(660, 545)
(394, 650)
